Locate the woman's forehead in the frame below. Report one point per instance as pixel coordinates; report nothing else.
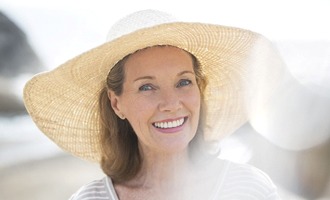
(158, 59)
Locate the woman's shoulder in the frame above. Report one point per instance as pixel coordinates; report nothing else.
(244, 171)
(245, 179)
(98, 189)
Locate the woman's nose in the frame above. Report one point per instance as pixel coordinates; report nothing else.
(170, 101)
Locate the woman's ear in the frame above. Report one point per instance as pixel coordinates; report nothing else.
(115, 104)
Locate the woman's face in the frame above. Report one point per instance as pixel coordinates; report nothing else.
(160, 98)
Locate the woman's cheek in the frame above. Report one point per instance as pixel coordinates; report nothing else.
(141, 103)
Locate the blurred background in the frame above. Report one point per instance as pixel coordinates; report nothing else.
(288, 139)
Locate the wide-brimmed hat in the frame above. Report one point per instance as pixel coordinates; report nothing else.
(241, 67)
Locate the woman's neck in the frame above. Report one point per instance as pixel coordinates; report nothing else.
(164, 170)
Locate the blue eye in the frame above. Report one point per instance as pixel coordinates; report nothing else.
(145, 88)
(184, 83)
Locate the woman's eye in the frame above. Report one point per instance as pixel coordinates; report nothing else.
(145, 87)
(184, 83)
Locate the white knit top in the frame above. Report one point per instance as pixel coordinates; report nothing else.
(236, 182)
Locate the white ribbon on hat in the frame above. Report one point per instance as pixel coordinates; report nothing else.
(131, 24)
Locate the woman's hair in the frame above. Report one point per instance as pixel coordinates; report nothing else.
(121, 159)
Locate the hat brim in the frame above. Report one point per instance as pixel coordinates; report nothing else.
(64, 102)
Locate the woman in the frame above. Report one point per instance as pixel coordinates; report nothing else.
(150, 104)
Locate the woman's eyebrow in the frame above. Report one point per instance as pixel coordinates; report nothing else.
(185, 72)
(144, 77)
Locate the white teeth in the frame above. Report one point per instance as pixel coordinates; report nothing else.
(171, 124)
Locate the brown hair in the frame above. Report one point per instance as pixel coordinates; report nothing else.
(121, 158)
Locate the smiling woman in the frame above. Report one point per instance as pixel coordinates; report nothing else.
(150, 103)
(159, 94)
(152, 112)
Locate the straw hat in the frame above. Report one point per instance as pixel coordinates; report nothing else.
(241, 66)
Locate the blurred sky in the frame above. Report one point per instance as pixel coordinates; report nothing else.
(61, 29)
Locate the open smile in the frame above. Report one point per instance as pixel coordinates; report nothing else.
(170, 124)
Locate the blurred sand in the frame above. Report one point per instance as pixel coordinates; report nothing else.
(53, 178)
